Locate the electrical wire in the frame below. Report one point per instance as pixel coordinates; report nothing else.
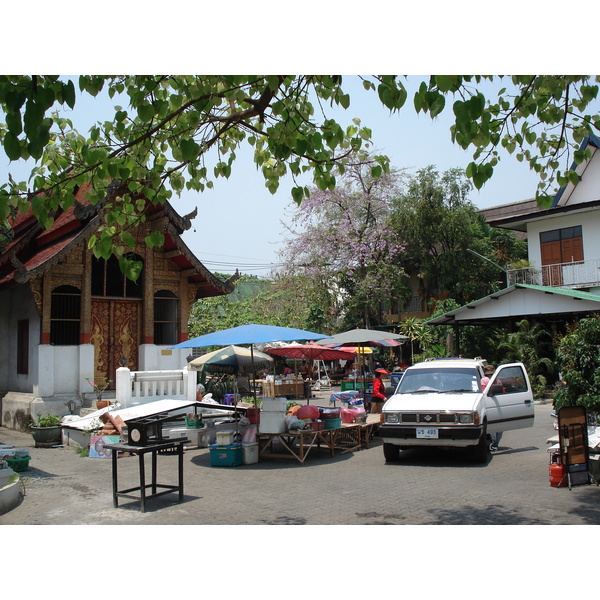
(246, 266)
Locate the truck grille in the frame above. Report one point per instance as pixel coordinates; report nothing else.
(428, 418)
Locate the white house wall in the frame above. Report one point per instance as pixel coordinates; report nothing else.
(161, 358)
(588, 187)
(590, 228)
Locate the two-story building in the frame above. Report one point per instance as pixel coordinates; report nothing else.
(562, 281)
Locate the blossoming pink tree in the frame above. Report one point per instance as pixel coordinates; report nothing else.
(341, 240)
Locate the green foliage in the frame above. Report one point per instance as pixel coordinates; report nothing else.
(531, 345)
(46, 420)
(578, 360)
(423, 339)
(433, 351)
(281, 301)
(93, 426)
(438, 225)
(219, 386)
(83, 451)
(176, 133)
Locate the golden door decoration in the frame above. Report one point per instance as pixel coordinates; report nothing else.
(115, 333)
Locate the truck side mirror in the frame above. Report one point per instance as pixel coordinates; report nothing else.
(495, 389)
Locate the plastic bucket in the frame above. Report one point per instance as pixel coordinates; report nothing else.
(250, 450)
(253, 415)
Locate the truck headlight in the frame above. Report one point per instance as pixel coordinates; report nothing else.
(392, 418)
(465, 418)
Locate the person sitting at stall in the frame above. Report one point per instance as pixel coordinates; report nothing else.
(243, 384)
(306, 370)
(350, 370)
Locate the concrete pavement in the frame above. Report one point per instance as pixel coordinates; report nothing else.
(357, 488)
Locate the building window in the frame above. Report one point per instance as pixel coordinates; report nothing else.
(23, 347)
(561, 245)
(65, 316)
(109, 281)
(166, 317)
(558, 247)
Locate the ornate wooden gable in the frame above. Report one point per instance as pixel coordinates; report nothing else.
(68, 283)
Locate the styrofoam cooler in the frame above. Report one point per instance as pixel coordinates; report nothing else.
(274, 405)
(272, 422)
(225, 438)
(272, 415)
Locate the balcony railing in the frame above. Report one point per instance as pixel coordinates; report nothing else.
(584, 274)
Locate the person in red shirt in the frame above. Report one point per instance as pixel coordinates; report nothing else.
(378, 396)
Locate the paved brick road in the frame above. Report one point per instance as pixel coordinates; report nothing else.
(358, 488)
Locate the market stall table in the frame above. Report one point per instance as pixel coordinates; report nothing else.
(345, 397)
(356, 436)
(296, 443)
(171, 446)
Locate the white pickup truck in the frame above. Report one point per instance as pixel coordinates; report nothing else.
(441, 403)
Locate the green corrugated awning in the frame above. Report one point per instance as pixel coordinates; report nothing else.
(522, 300)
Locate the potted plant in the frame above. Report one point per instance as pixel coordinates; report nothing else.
(99, 388)
(46, 430)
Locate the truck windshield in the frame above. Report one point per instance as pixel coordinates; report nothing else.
(436, 380)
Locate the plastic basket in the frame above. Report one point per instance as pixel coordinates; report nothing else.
(193, 421)
(332, 423)
(18, 464)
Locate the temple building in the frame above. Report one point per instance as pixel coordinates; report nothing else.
(68, 318)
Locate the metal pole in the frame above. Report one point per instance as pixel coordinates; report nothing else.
(491, 262)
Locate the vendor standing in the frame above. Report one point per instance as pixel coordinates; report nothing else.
(378, 395)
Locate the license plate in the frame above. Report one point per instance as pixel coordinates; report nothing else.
(427, 433)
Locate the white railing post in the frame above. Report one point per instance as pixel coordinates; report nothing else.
(123, 387)
(190, 382)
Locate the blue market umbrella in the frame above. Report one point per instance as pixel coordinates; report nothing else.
(250, 334)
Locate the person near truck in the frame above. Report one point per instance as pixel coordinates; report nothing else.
(493, 438)
(378, 395)
(487, 373)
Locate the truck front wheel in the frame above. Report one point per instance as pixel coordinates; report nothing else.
(391, 452)
(480, 452)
